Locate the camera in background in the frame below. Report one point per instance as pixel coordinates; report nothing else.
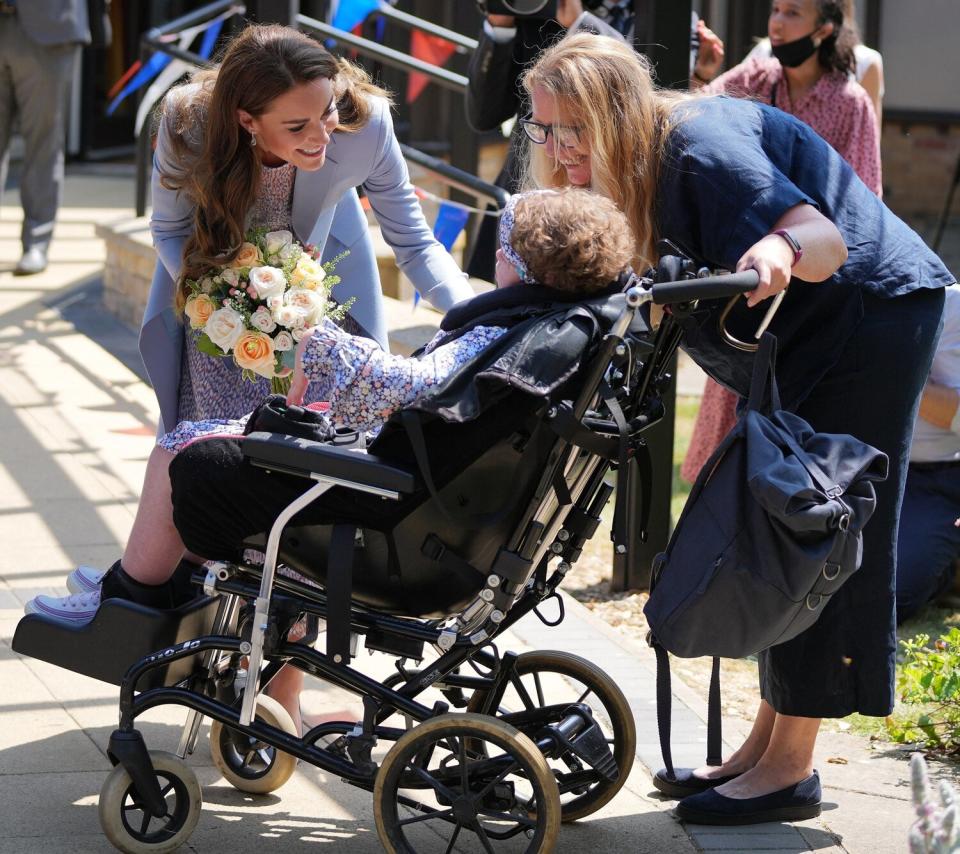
(543, 9)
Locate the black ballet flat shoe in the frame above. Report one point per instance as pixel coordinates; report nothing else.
(794, 803)
(683, 782)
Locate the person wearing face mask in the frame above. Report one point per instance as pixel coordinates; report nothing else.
(868, 71)
(737, 184)
(808, 75)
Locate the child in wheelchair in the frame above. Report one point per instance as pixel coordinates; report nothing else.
(569, 240)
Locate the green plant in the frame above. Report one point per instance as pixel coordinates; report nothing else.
(935, 830)
(929, 680)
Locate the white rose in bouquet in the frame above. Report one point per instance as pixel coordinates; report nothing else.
(276, 240)
(231, 276)
(283, 341)
(312, 303)
(298, 333)
(262, 319)
(224, 327)
(268, 282)
(290, 317)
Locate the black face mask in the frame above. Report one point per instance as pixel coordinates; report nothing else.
(792, 54)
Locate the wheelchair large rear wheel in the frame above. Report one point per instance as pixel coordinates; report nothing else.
(469, 781)
(247, 763)
(551, 677)
(130, 828)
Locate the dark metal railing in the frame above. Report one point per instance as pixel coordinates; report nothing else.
(449, 176)
(386, 55)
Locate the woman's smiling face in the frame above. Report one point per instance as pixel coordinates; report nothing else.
(573, 157)
(297, 126)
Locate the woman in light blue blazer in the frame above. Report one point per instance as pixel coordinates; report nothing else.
(279, 136)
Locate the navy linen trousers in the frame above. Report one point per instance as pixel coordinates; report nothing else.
(845, 662)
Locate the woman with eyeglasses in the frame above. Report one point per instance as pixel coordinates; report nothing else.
(737, 184)
(810, 76)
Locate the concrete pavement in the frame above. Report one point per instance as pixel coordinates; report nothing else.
(77, 424)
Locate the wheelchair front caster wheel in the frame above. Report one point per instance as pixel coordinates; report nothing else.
(462, 774)
(131, 828)
(247, 763)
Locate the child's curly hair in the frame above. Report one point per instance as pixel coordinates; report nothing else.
(571, 239)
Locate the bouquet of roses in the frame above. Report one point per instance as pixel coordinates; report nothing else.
(259, 306)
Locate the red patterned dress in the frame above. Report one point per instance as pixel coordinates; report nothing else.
(838, 109)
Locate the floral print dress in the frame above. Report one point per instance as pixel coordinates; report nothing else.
(363, 384)
(213, 388)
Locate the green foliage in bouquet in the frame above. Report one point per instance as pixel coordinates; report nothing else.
(928, 680)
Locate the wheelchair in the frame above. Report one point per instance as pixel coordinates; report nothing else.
(514, 745)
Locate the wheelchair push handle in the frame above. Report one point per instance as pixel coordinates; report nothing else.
(709, 287)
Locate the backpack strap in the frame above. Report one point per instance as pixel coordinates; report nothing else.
(665, 709)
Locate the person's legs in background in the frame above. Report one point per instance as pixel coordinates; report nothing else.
(928, 543)
(39, 76)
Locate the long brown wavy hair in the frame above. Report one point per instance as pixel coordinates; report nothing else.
(215, 164)
(606, 88)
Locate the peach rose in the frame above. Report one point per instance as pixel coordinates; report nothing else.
(254, 352)
(249, 256)
(198, 308)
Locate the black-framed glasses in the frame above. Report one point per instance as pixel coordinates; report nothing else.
(566, 136)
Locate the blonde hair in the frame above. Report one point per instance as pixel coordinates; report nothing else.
(214, 161)
(571, 239)
(606, 89)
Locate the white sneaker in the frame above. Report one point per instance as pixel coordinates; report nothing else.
(84, 579)
(73, 610)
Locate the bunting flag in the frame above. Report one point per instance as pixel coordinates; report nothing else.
(352, 13)
(173, 72)
(428, 48)
(450, 221)
(139, 75)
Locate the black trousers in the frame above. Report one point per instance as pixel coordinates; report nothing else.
(845, 662)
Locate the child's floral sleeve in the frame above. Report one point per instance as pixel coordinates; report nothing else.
(365, 385)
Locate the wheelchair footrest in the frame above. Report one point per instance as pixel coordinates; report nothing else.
(120, 634)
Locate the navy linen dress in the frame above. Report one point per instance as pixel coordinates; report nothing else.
(854, 353)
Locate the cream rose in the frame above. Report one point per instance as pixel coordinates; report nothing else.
(307, 273)
(224, 327)
(276, 240)
(290, 316)
(254, 352)
(249, 256)
(198, 308)
(283, 341)
(312, 303)
(268, 282)
(262, 319)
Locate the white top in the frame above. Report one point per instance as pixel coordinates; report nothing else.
(866, 57)
(932, 444)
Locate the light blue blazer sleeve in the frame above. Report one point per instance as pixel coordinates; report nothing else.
(326, 212)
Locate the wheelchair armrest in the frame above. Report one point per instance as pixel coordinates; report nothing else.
(304, 458)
